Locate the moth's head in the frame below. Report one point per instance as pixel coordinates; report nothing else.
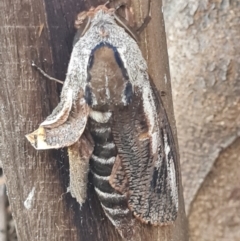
(82, 16)
(101, 16)
(86, 19)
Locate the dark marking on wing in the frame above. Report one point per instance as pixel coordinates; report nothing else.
(128, 92)
(88, 95)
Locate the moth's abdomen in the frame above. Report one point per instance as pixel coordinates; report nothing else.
(114, 204)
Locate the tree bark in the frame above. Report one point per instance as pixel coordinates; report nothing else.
(204, 53)
(37, 181)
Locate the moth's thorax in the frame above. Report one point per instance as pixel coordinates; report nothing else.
(107, 79)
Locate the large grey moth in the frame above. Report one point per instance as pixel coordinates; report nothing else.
(113, 123)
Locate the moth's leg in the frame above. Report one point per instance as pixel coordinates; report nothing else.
(116, 4)
(129, 14)
(45, 74)
(147, 19)
(107, 2)
(128, 21)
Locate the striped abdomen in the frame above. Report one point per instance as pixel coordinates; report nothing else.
(101, 165)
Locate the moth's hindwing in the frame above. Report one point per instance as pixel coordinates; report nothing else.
(148, 157)
(79, 154)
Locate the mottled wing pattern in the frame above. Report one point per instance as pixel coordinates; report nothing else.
(63, 127)
(118, 178)
(152, 188)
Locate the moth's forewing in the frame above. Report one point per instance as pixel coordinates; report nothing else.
(61, 112)
(56, 133)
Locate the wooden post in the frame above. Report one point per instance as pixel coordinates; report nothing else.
(37, 181)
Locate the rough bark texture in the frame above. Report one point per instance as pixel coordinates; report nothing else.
(37, 181)
(215, 212)
(203, 43)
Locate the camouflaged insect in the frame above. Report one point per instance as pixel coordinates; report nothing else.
(113, 121)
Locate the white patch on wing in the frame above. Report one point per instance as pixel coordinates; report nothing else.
(151, 114)
(100, 117)
(149, 107)
(94, 100)
(155, 142)
(166, 145)
(29, 200)
(123, 98)
(171, 171)
(173, 182)
(107, 92)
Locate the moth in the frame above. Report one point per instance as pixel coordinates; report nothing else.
(112, 120)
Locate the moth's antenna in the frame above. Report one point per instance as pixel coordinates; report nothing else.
(106, 3)
(121, 22)
(147, 19)
(86, 27)
(46, 75)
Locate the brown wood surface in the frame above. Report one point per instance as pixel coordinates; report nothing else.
(37, 181)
